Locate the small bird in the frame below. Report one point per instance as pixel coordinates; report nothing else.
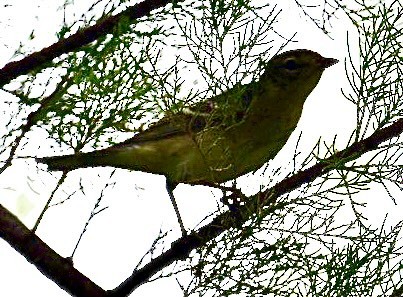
(221, 138)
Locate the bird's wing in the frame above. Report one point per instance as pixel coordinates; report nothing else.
(224, 109)
(164, 128)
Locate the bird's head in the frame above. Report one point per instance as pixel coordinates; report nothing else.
(300, 69)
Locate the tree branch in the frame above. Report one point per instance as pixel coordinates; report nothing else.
(51, 264)
(77, 40)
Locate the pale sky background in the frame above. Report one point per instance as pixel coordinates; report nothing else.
(139, 205)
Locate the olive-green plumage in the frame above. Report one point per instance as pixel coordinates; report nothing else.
(221, 138)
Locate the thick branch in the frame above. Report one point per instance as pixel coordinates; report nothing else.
(51, 264)
(77, 40)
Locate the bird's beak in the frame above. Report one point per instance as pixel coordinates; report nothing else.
(326, 62)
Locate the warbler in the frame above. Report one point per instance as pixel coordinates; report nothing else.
(221, 138)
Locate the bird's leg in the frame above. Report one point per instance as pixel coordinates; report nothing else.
(170, 188)
(233, 200)
(224, 189)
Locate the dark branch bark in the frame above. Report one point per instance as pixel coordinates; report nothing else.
(398, 292)
(67, 277)
(74, 42)
(51, 264)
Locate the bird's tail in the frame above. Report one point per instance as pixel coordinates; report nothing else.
(68, 162)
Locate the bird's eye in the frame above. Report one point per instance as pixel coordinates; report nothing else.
(291, 64)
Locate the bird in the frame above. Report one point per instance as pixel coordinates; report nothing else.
(220, 138)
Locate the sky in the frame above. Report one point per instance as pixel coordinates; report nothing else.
(138, 205)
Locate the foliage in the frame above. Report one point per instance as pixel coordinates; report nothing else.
(112, 88)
